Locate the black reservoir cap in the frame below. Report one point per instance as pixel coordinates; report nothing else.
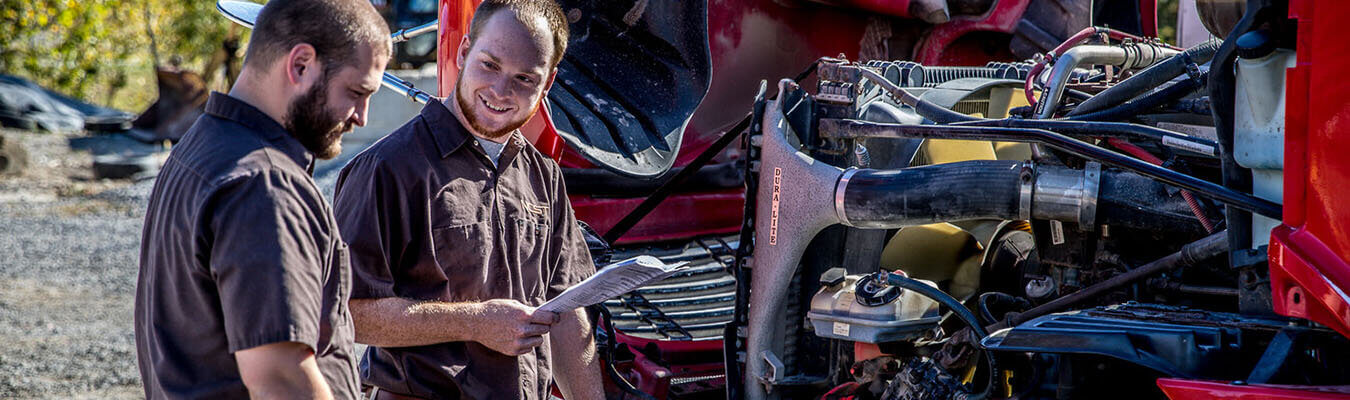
(833, 276)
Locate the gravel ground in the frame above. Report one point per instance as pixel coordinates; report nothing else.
(69, 251)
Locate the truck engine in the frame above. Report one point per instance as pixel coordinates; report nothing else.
(1090, 224)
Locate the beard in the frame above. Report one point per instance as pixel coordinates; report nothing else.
(466, 105)
(311, 123)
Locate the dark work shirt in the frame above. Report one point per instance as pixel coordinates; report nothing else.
(239, 250)
(429, 217)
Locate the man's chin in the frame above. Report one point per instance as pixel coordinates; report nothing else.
(331, 152)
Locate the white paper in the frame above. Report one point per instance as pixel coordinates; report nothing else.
(613, 280)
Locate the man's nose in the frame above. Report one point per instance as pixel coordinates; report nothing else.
(359, 116)
(502, 88)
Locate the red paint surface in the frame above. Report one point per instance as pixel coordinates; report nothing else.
(1309, 275)
(1148, 17)
(1181, 389)
(679, 217)
(933, 49)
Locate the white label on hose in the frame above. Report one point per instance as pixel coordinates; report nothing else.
(1056, 232)
(840, 329)
(1207, 132)
(1173, 142)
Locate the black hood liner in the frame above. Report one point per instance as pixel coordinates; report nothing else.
(624, 93)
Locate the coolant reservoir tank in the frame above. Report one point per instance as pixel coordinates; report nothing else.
(863, 308)
(1258, 121)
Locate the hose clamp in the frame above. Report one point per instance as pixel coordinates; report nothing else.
(1028, 181)
(1087, 206)
(839, 189)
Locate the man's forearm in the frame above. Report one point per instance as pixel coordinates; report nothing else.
(283, 370)
(399, 322)
(575, 361)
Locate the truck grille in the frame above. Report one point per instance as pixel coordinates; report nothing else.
(692, 305)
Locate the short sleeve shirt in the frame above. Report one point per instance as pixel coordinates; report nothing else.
(429, 217)
(238, 250)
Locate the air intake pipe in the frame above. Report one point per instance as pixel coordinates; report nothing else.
(798, 196)
(1127, 56)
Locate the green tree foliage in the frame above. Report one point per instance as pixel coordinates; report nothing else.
(100, 50)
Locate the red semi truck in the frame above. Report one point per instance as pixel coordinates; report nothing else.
(1171, 226)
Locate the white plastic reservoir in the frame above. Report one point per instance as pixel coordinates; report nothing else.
(1258, 136)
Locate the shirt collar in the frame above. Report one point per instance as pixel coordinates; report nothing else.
(449, 134)
(224, 106)
(444, 128)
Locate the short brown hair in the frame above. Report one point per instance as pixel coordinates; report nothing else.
(333, 27)
(526, 12)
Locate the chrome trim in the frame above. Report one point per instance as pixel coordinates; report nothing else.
(839, 189)
(408, 33)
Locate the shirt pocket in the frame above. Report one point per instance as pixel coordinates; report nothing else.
(527, 226)
(461, 252)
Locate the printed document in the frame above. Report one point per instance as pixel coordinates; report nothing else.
(613, 280)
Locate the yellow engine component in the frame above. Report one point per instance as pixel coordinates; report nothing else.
(951, 253)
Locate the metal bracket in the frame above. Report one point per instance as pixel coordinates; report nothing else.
(775, 371)
(1025, 194)
(1087, 206)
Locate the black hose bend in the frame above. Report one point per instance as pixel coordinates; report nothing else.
(1149, 78)
(1147, 102)
(943, 298)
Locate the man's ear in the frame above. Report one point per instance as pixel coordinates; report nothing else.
(302, 66)
(548, 84)
(463, 53)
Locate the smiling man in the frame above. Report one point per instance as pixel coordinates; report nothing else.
(243, 279)
(459, 228)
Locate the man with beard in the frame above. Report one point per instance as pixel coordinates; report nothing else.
(459, 228)
(244, 279)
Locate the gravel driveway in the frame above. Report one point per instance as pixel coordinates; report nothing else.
(69, 247)
(69, 250)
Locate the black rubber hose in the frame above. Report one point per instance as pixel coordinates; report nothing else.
(1149, 78)
(943, 298)
(993, 189)
(933, 193)
(1142, 104)
(1000, 299)
(853, 129)
(1222, 98)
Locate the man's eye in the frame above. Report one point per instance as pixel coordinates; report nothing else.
(525, 79)
(490, 66)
